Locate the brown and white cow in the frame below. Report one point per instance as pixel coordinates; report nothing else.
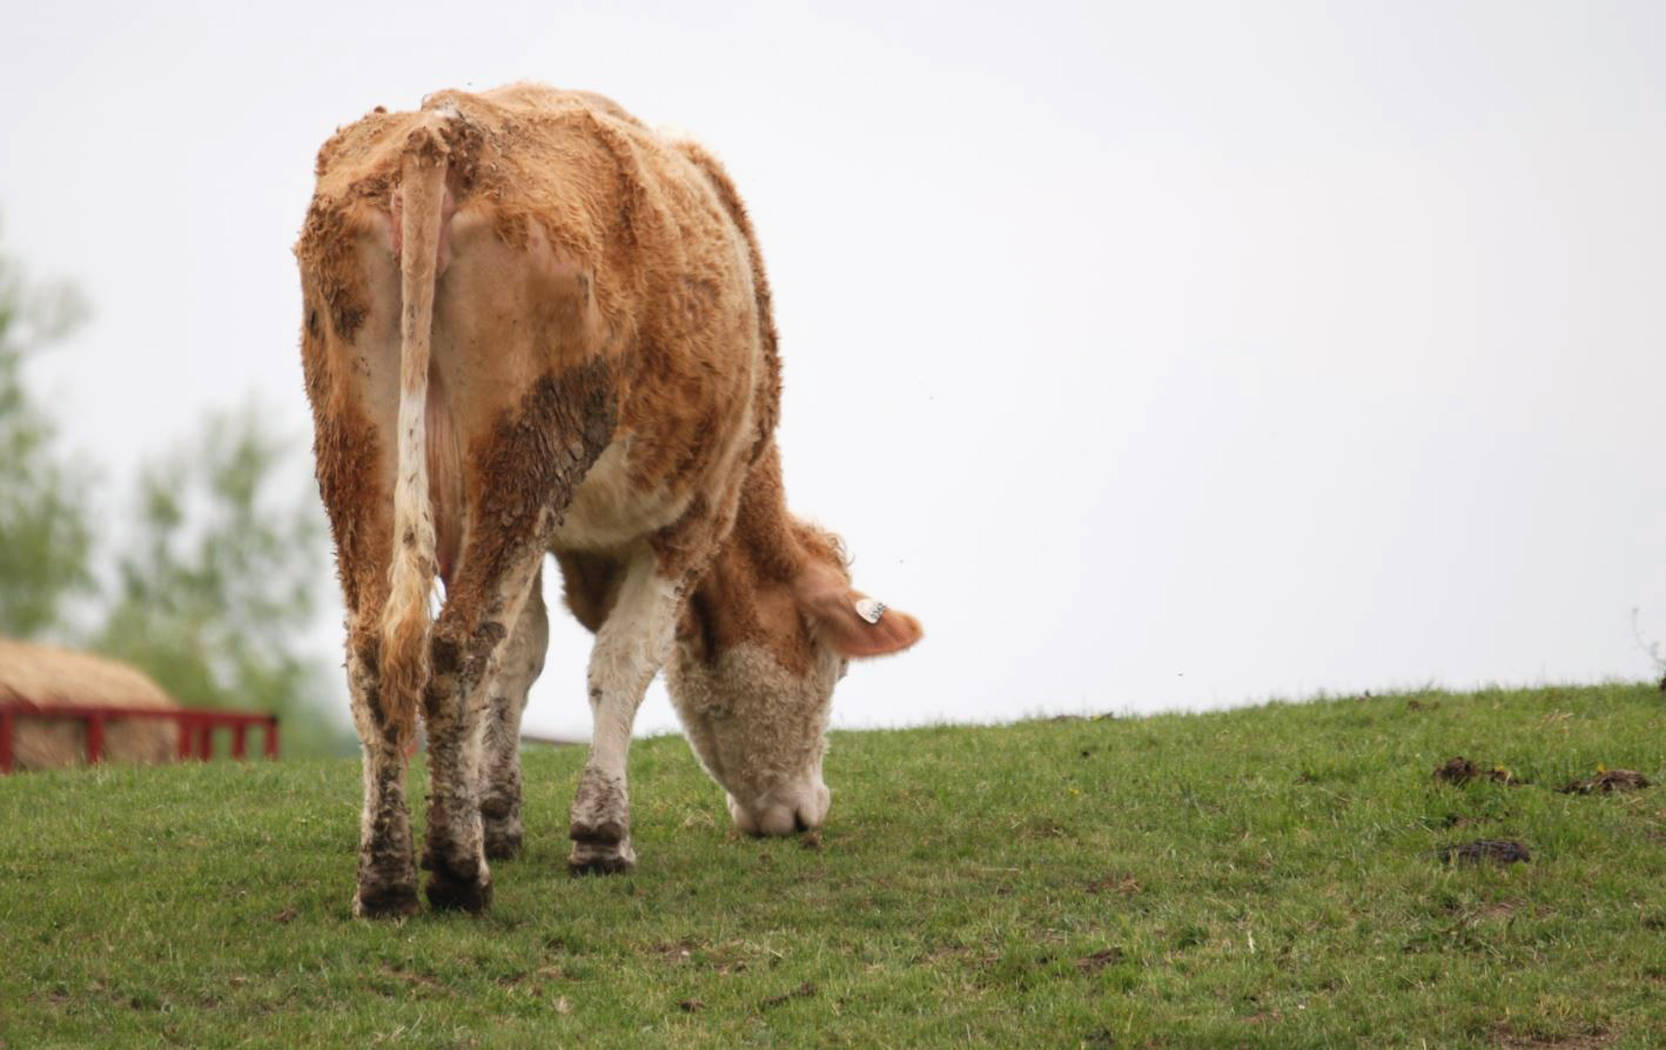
(532, 325)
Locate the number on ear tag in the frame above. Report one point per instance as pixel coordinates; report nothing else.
(870, 609)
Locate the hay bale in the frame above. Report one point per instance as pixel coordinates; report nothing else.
(48, 674)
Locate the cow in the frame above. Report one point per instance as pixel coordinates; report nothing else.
(530, 325)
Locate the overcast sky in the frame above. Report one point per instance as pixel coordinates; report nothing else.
(1154, 354)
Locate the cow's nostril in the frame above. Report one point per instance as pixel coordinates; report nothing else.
(743, 818)
(778, 820)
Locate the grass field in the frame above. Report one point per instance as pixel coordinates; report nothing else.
(1265, 878)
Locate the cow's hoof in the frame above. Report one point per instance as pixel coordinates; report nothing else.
(386, 901)
(502, 845)
(449, 894)
(601, 832)
(601, 858)
(500, 826)
(457, 883)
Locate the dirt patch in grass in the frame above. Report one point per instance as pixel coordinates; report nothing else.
(724, 959)
(1459, 770)
(960, 957)
(1510, 1039)
(1040, 826)
(414, 980)
(1499, 851)
(1099, 960)
(806, 990)
(1124, 885)
(674, 952)
(1606, 782)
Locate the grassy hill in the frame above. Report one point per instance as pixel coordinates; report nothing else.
(1266, 878)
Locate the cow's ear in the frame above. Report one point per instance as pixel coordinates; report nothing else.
(852, 622)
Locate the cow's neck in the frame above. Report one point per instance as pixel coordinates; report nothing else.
(765, 539)
(745, 596)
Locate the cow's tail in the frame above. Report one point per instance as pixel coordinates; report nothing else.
(405, 619)
(769, 400)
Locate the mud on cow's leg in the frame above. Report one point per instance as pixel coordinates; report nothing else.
(506, 691)
(630, 647)
(387, 865)
(453, 854)
(601, 825)
(468, 641)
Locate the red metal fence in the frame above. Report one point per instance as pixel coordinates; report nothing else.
(196, 727)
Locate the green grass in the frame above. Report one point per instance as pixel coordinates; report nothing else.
(1260, 878)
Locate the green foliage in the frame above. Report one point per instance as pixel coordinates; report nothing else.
(219, 578)
(217, 574)
(45, 538)
(1261, 878)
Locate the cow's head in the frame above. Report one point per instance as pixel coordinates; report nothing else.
(763, 640)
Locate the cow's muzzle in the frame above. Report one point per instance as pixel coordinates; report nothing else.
(783, 810)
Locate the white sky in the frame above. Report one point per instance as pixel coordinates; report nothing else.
(1155, 354)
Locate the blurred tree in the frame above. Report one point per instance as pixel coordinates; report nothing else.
(45, 538)
(215, 581)
(220, 578)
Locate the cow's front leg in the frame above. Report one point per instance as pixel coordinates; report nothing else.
(630, 647)
(468, 644)
(386, 883)
(500, 768)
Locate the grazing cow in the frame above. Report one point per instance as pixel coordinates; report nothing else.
(532, 325)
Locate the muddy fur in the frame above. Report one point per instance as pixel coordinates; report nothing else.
(601, 811)
(600, 826)
(386, 875)
(500, 766)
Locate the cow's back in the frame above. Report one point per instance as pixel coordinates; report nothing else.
(647, 290)
(570, 166)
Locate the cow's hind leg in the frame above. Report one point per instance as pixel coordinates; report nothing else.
(630, 646)
(500, 768)
(468, 641)
(387, 864)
